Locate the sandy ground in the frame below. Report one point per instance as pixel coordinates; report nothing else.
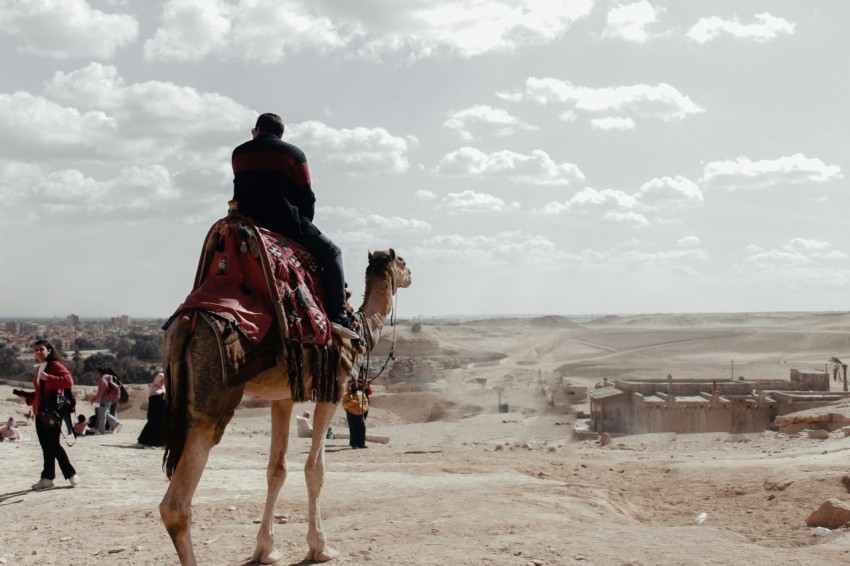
(459, 482)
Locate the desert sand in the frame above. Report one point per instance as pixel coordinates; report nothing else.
(458, 482)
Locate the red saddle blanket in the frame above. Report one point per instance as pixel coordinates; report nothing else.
(252, 276)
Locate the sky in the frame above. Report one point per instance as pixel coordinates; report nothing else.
(524, 156)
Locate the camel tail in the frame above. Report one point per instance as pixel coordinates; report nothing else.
(175, 422)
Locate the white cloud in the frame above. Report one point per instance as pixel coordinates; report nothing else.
(479, 115)
(356, 150)
(422, 194)
(470, 201)
(469, 27)
(269, 31)
(612, 205)
(64, 29)
(744, 173)
(689, 241)
(649, 259)
(537, 168)
(629, 21)
(626, 218)
(394, 224)
(669, 191)
(805, 245)
(797, 251)
(661, 101)
(38, 129)
(91, 123)
(663, 194)
(767, 27)
(613, 123)
(514, 248)
(153, 117)
(71, 192)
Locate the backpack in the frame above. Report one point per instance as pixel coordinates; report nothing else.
(72, 401)
(113, 391)
(123, 395)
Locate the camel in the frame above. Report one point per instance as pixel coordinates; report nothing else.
(200, 407)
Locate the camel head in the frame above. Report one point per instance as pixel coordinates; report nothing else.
(388, 264)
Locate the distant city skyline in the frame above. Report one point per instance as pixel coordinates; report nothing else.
(526, 157)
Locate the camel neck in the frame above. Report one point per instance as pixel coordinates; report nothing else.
(377, 304)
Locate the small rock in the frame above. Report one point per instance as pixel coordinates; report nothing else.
(818, 434)
(832, 514)
(232, 508)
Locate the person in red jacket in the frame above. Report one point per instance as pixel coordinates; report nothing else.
(51, 379)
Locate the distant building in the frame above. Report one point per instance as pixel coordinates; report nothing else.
(687, 406)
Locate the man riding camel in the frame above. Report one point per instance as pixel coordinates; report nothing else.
(271, 185)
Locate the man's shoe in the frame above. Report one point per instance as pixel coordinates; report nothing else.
(75, 480)
(344, 332)
(43, 483)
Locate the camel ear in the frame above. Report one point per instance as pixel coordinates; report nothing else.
(392, 254)
(370, 257)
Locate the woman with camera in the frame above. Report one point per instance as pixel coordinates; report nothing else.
(51, 380)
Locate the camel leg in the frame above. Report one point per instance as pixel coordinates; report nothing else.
(265, 552)
(176, 506)
(314, 473)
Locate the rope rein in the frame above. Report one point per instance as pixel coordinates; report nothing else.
(364, 369)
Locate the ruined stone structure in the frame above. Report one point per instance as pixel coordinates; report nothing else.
(683, 406)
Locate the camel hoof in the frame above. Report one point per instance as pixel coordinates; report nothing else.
(269, 557)
(327, 553)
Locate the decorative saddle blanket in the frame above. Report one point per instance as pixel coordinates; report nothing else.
(253, 283)
(254, 277)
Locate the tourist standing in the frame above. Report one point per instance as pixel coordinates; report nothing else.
(106, 398)
(355, 404)
(51, 380)
(151, 435)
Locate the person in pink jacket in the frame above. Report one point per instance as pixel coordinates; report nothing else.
(51, 379)
(108, 393)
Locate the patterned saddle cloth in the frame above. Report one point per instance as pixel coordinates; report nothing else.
(255, 278)
(260, 292)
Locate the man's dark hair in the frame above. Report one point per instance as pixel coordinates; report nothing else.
(269, 123)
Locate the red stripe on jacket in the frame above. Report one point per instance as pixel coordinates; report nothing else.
(272, 161)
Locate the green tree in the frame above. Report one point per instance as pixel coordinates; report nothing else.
(10, 365)
(82, 343)
(147, 348)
